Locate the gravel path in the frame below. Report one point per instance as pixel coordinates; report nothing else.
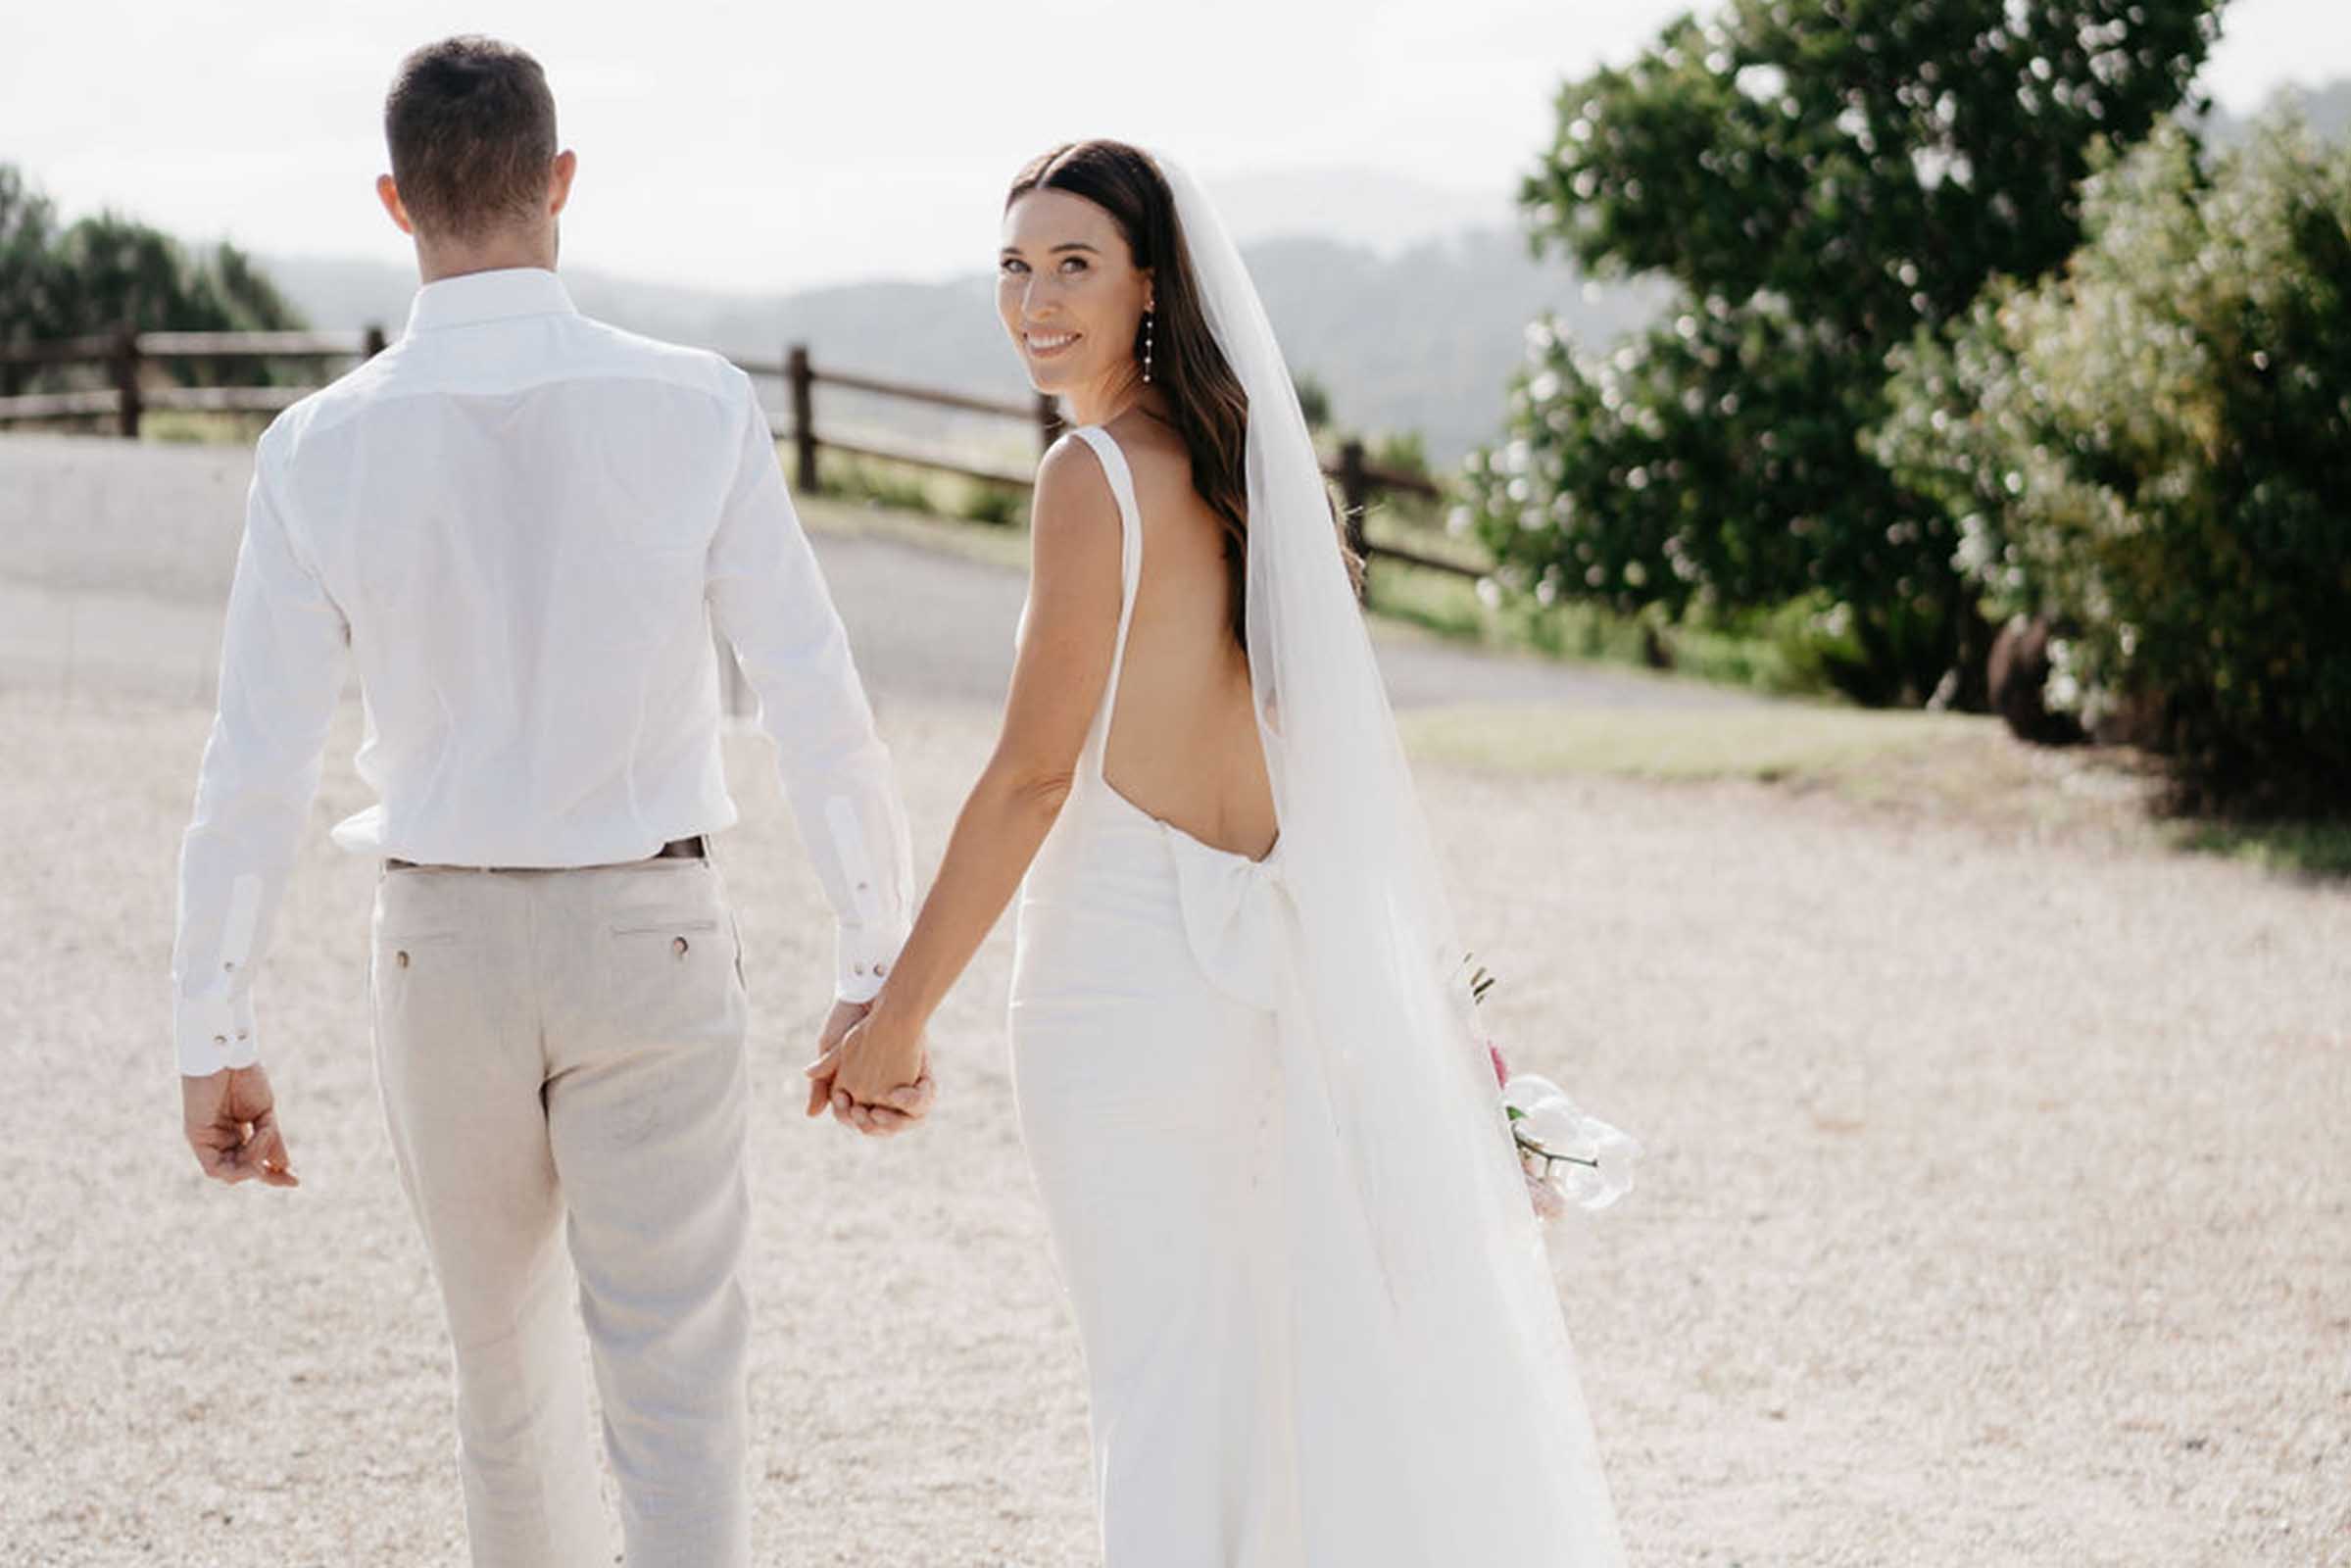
(1996, 1206)
(1999, 1208)
(115, 556)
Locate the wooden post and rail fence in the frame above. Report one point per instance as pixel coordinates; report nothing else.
(127, 356)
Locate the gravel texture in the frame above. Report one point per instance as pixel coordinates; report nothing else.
(1996, 1208)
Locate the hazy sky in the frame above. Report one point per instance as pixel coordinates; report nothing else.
(775, 145)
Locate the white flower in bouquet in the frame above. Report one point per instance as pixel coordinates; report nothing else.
(1570, 1157)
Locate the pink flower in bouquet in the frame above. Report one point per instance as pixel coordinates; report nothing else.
(1501, 1067)
(1550, 1203)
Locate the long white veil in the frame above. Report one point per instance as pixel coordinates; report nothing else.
(1456, 1392)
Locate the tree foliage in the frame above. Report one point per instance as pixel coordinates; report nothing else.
(1821, 179)
(2153, 450)
(107, 272)
(27, 273)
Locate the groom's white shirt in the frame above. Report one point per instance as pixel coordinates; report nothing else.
(522, 525)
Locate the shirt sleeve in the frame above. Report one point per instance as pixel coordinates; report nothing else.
(768, 596)
(284, 656)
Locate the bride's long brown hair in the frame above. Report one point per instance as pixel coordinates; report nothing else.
(1210, 410)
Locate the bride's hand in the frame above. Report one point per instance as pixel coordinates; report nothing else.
(880, 1076)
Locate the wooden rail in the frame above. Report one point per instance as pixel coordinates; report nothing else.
(1359, 480)
(126, 355)
(801, 379)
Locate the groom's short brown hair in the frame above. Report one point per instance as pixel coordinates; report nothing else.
(470, 125)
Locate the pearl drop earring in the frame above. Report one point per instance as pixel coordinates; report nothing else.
(1146, 345)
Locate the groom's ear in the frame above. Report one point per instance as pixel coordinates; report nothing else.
(389, 194)
(559, 180)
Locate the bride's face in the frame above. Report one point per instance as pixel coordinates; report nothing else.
(1068, 290)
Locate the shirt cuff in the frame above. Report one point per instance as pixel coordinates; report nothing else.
(863, 958)
(216, 1032)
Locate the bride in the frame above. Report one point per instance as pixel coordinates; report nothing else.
(1318, 1325)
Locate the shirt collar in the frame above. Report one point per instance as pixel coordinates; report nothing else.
(494, 296)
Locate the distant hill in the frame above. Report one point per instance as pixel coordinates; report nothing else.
(1408, 302)
(2327, 109)
(1367, 208)
(1423, 337)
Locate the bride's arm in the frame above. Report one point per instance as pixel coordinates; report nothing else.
(1067, 633)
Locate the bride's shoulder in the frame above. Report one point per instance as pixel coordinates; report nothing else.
(1071, 467)
(1073, 495)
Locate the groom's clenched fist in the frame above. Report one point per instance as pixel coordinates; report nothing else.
(837, 1024)
(231, 1123)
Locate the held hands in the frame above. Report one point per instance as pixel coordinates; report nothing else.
(874, 1075)
(231, 1123)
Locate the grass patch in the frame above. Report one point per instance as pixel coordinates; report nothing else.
(2319, 848)
(1950, 766)
(1797, 740)
(189, 427)
(910, 487)
(1764, 660)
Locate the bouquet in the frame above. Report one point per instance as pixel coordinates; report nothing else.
(1568, 1156)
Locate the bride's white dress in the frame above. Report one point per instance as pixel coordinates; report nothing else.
(1143, 1059)
(1273, 1384)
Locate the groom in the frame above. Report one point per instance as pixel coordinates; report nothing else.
(521, 526)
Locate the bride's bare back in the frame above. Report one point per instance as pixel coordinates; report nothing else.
(1183, 744)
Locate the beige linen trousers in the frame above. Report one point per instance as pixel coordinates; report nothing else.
(562, 1059)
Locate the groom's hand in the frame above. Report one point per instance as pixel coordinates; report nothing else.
(231, 1123)
(837, 1024)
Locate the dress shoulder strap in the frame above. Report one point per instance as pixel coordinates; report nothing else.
(1130, 574)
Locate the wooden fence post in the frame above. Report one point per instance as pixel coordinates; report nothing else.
(126, 381)
(803, 417)
(1048, 420)
(1354, 492)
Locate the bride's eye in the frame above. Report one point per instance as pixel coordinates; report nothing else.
(1008, 265)
(1071, 264)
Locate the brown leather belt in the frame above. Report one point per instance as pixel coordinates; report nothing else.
(695, 848)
